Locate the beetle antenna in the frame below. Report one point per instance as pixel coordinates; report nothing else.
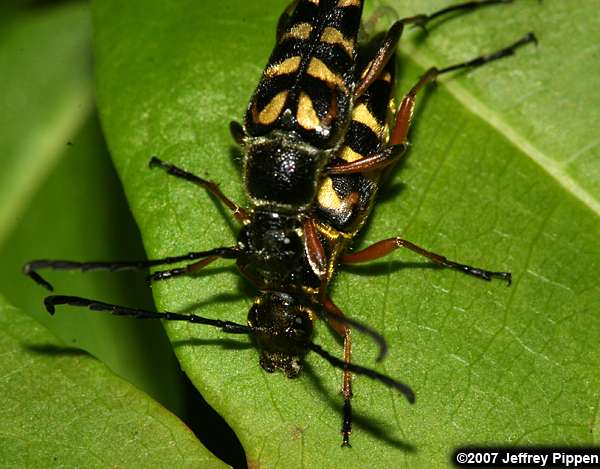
(361, 370)
(226, 326)
(30, 268)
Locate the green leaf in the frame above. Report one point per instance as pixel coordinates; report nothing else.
(66, 409)
(79, 213)
(46, 96)
(493, 178)
(62, 199)
(546, 107)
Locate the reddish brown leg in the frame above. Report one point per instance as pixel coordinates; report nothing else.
(388, 156)
(399, 134)
(187, 269)
(405, 111)
(390, 42)
(382, 57)
(315, 253)
(398, 137)
(383, 248)
(238, 212)
(344, 331)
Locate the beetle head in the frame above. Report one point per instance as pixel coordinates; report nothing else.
(283, 324)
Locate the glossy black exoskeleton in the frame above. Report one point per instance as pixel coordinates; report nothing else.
(315, 142)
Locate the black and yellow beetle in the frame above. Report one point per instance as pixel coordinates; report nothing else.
(316, 142)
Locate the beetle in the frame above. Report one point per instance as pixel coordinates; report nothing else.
(310, 171)
(294, 122)
(348, 189)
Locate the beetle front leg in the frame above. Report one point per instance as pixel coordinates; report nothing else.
(315, 253)
(238, 212)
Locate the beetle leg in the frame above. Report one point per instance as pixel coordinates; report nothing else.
(389, 155)
(406, 108)
(398, 137)
(237, 132)
(315, 254)
(238, 212)
(382, 57)
(390, 41)
(386, 246)
(344, 331)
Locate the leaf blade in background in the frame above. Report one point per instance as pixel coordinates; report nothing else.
(79, 213)
(68, 410)
(64, 199)
(47, 95)
(467, 191)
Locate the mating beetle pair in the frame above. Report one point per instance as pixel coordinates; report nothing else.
(317, 142)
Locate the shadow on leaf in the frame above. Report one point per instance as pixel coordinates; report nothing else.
(366, 423)
(55, 350)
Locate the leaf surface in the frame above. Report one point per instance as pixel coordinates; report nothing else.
(46, 97)
(66, 409)
(80, 213)
(488, 181)
(62, 198)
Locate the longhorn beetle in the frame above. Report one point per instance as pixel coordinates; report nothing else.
(315, 144)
